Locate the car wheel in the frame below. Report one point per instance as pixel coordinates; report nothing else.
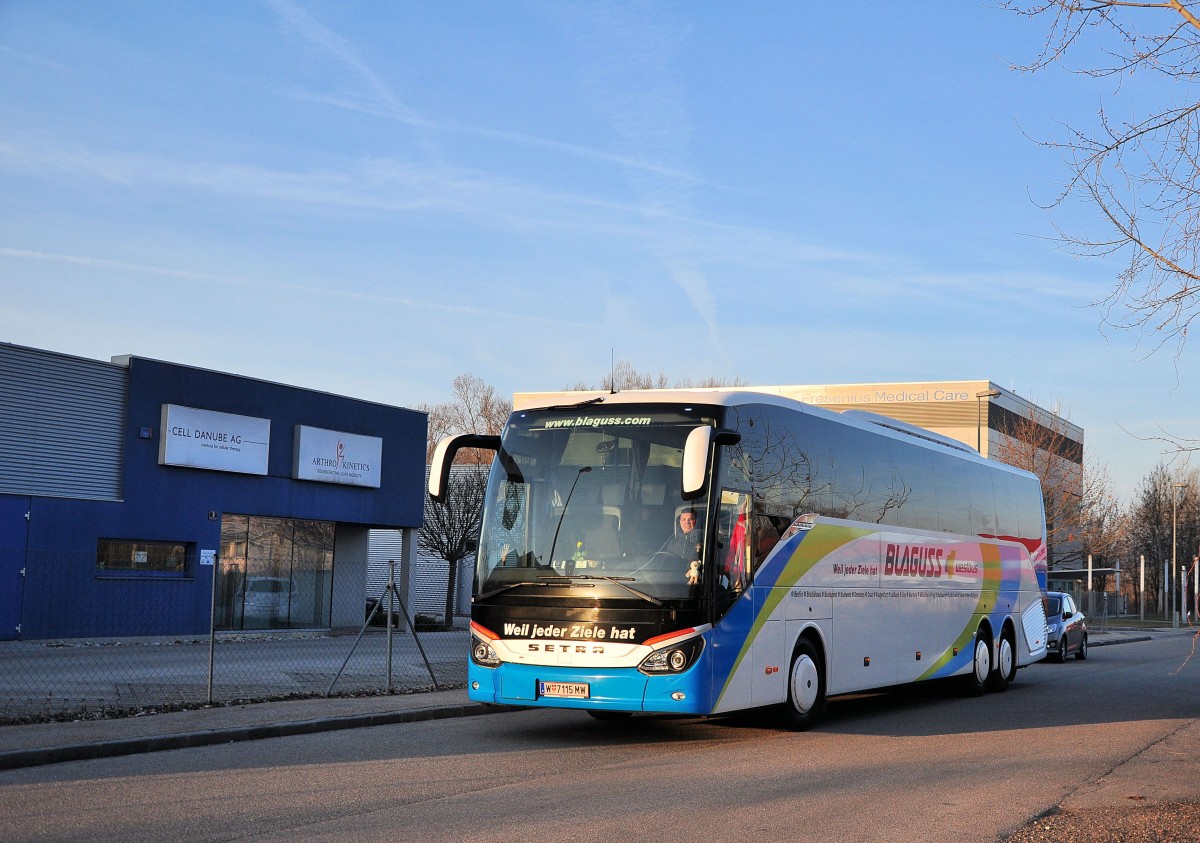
(1081, 653)
(976, 682)
(1006, 664)
(1062, 649)
(806, 687)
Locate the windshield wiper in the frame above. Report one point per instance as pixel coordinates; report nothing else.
(550, 581)
(597, 400)
(583, 469)
(621, 582)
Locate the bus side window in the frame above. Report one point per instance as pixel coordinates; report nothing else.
(768, 529)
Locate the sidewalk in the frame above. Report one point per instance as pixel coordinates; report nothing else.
(50, 743)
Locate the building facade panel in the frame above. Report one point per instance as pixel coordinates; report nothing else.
(143, 562)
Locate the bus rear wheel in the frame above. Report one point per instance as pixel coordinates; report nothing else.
(976, 682)
(1006, 663)
(806, 687)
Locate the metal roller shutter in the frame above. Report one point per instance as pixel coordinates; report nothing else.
(61, 424)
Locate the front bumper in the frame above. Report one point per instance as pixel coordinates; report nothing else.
(612, 689)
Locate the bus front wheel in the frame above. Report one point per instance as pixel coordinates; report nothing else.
(806, 686)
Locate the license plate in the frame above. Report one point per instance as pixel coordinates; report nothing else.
(569, 690)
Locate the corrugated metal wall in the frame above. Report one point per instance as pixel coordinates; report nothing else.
(61, 425)
(427, 587)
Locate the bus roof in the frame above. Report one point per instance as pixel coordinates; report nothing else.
(735, 396)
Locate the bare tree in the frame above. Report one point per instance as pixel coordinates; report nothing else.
(1083, 516)
(451, 529)
(1153, 515)
(474, 408)
(625, 375)
(1142, 173)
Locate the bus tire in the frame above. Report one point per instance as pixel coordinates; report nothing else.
(976, 682)
(806, 687)
(1006, 663)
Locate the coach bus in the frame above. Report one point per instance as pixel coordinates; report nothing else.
(707, 551)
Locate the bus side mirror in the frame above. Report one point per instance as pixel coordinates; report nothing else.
(443, 457)
(697, 453)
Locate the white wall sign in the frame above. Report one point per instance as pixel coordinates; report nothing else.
(329, 456)
(216, 441)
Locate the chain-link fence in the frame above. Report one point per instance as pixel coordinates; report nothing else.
(158, 668)
(1106, 609)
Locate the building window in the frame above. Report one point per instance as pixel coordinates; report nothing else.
(275, 573)
(142, 557)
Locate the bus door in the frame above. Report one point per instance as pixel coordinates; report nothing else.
(746, 671)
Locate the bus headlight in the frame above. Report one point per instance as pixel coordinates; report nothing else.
(674, 658)
(482, 652)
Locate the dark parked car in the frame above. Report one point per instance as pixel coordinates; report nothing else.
(1066, 630)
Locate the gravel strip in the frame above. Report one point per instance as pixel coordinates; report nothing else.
(1163, 822)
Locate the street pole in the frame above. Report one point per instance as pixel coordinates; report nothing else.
(979, 396)
(1120, 598)
(1164, 590)
(1091, 599)
(1142, 589)
(1175, 487)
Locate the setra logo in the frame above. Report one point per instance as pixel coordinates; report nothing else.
(594, 649)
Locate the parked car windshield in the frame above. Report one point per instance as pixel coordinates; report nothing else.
(268, 585)
(1053, 606)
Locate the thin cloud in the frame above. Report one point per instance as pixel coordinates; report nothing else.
(656, 123)
(39, 61)
(382, 101)
(271, 286)
(340, 50)
(519, 139)
(381, 185)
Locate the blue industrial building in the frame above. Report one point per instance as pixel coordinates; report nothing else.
(139, 497)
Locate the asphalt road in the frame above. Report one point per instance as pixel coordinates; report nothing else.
(917, 764)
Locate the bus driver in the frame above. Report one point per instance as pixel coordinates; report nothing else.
(686, 544)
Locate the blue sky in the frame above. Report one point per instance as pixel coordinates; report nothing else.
(371, 198)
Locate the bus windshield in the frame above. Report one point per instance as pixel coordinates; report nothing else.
(593, 498)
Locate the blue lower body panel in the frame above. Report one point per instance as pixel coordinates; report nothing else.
(615, 689)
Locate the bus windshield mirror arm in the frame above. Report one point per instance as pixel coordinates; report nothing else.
(511, 469)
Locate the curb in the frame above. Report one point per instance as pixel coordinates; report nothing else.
(1139, 638)
(15, 759)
